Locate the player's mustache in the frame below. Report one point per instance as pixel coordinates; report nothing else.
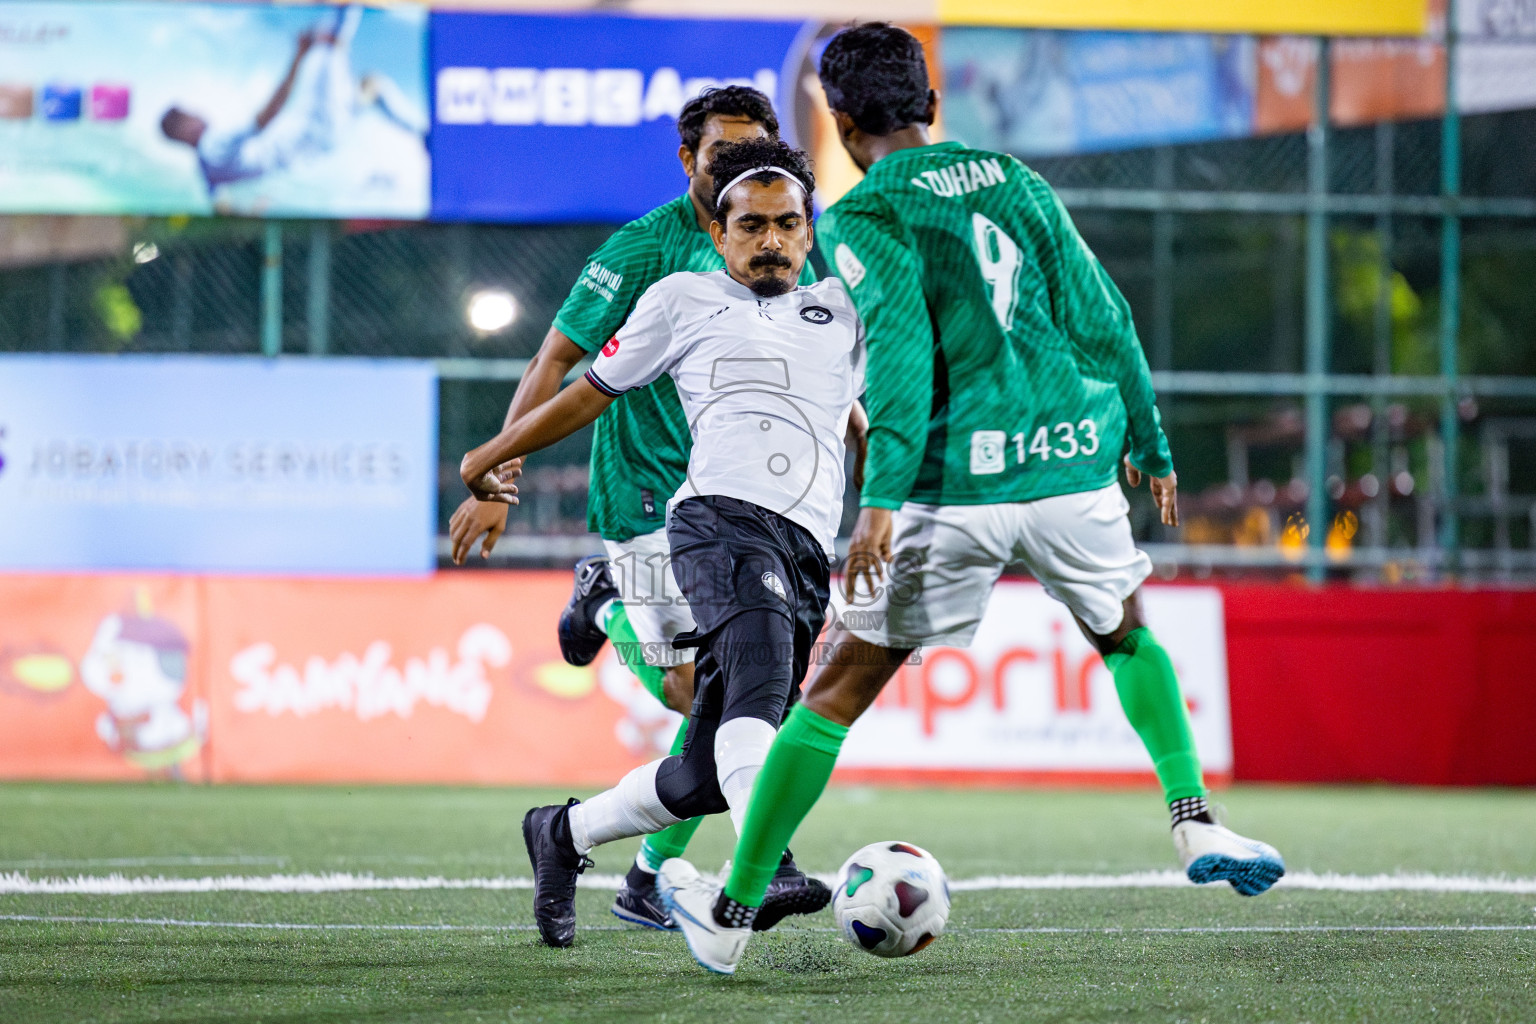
(769, 259)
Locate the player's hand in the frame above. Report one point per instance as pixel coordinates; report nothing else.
(493, 484)
(869, 550)
(1165, 491)
(472, 520)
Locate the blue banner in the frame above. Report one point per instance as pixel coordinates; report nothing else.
(574, 118)
(217, 464)
(1044, 92)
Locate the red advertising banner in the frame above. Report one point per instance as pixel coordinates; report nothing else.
(1417, 687)
(456, 679)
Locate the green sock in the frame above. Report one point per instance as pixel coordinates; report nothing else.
(672, 840)
(627, 645)
(1149, 693)
(797, 769)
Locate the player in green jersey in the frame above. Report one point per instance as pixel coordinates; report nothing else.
(639, 459)
(1005, 380)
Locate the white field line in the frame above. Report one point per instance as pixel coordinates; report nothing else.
(167, 922)
(143, 862)
(18, 883)
(1327, 882)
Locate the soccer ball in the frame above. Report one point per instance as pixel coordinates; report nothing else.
(892, 899)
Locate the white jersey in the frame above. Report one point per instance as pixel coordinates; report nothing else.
(766, 384)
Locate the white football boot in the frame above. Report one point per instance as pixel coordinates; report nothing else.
(1212, 853)
(691, 902)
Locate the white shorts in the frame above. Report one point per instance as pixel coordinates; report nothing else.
(642, 570)
(947, 557)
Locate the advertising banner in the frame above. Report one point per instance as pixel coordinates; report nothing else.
(103, 677)
(164, 108)
(457, 678)
(217, 464)
(1311, 17)
(1031, 700)
(1496, 61)
(554, 117)
(1041, 93)
(1372, 80)
(453, 678)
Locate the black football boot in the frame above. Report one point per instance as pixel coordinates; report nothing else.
(547, 834)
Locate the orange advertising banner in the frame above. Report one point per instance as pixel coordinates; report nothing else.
(1372, 80)
(448, 679)
(456, 679)
(102, 677)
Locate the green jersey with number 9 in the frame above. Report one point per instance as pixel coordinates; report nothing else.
(1003, 363)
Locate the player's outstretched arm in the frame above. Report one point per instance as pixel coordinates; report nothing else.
(279, 97)
(474, 518)
(1097, 318)
(559, 418)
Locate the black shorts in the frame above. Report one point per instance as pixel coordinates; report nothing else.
(757, 585)
(730, 556)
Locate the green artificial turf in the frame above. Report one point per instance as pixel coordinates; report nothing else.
(993, 964)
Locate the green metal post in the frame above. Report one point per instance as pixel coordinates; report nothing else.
(1162, 266)
(1381, 324)
(272, 289)
(1450, 292)
(1317, 309)
(319, 311)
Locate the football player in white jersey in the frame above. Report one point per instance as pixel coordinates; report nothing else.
(768, 374)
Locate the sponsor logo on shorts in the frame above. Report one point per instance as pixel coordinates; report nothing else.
(816, 315)
(772, 583)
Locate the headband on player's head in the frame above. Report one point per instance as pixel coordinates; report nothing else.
(744, 175)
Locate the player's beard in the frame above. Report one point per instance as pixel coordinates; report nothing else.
(766, 284)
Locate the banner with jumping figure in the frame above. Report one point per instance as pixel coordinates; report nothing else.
(457, 678)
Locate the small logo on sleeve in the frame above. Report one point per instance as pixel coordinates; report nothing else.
(601, 280)
(848, 265)
(816, 315)
(612, 348)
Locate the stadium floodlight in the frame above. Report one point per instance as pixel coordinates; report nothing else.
(491, 310)
(143, 252)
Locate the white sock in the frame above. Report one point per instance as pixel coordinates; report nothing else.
(600, 620)
(741, 747)
(631, 808)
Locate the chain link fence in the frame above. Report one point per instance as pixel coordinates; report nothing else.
(1208, 241)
